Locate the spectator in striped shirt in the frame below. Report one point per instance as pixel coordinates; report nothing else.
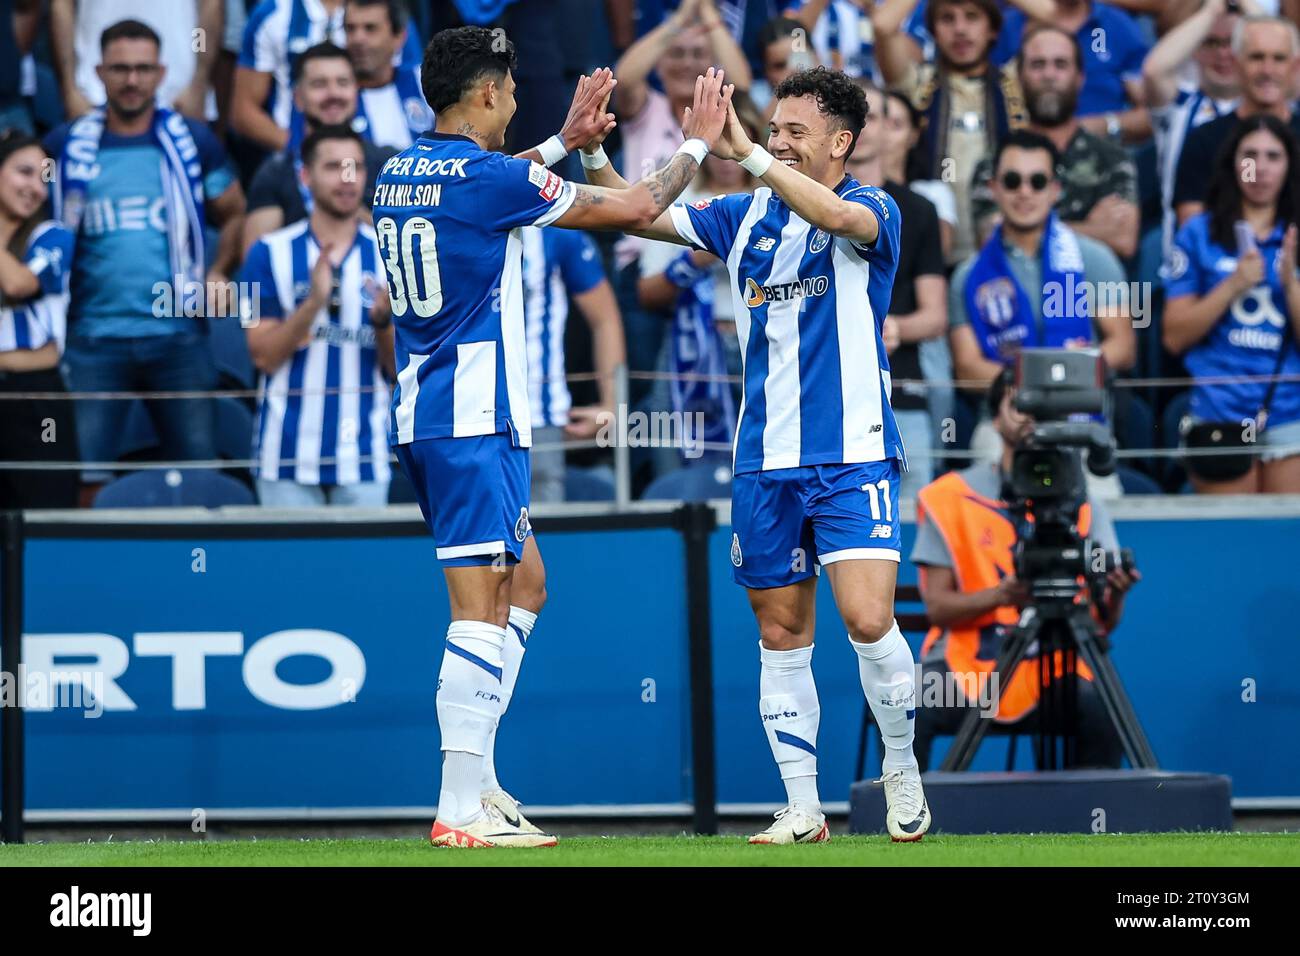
(1190, 78)
(559, 265)
(323, 341)
(35, 260)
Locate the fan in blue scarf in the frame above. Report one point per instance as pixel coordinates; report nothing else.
(699, 364)
(182, 178)
(999, 308)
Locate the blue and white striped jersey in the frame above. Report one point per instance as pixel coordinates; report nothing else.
(449, 216)
(809, 309)
(44, 317)
(558, 263)
(278, 31)
(342, 411)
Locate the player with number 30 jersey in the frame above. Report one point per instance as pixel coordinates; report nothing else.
(448, 215)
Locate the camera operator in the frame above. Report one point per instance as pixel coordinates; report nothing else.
(964, 551)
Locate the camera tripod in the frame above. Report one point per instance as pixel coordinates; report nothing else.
(1055, 622)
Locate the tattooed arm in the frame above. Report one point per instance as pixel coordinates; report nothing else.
(640, 208)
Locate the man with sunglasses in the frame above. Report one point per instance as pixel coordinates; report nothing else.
(1099, 194)
(1033, 283)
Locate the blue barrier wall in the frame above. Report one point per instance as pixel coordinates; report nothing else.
(1219, 606)
(587, 728)
(602, 713)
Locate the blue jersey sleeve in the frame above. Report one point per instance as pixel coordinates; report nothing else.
(1185, 271)
(257, 277)
(257, 51)
(885, 248)
(711, 224)
(515, 192)
(49, 256)
(579, 261)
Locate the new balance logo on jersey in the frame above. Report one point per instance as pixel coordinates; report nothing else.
(766, 244)
(756, 295)
(882, 531)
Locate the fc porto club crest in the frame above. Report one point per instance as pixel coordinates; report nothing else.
(819, 240)
(736, 557)
(522, 527)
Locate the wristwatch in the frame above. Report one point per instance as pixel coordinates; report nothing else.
(1113, 129)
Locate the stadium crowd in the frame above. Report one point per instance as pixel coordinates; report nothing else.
(184, 193)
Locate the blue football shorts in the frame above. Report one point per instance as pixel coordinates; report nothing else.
(789, 521)
(473, 493)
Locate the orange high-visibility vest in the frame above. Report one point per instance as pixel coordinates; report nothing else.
(980, 538)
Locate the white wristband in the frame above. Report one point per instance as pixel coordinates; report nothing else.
(757, 162)
(553, 150)
(594, 160)
(697, 149)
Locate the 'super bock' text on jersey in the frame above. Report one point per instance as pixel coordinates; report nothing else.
(809, 309)
(448, 215)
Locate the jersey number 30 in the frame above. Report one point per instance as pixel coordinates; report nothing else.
(403, 262)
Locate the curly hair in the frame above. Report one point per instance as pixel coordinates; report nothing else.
(455, 60)
(1224, 188)
(836, 94)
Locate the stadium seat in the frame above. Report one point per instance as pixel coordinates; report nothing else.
(234, 429)
(1136, 482)
(581, 484)
(1173, 475)
(230, 353)
(400, 489)
(139, 438)
(174, 488)
(1135, 426)
(698, 482)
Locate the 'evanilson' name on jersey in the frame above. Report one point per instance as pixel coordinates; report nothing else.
(809, 310)
(448, 215)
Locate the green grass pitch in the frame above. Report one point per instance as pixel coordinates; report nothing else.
(1181, 849)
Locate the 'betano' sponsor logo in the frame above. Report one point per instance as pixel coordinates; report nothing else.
(756, 295)
(103, 660)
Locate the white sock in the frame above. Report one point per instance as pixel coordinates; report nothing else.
(512, 658)
(888, 673)
(790, 713)
(469, 704)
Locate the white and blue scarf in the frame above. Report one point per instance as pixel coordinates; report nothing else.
(182, 179)
(1000, 313)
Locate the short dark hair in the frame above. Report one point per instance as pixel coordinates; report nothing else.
(312, 141)
(1027, 139)
(836, 94)
(989, 8)
(998, 388)
(778, 28)
(456, 59)
(128, 30)
(396, 11)
(1036, 28)
(321, 51)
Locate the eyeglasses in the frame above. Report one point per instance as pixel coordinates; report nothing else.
(1012, 180)
(120, 71)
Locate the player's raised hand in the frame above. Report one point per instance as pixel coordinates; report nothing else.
(734, 143)
(707, 116)
(587, 119)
